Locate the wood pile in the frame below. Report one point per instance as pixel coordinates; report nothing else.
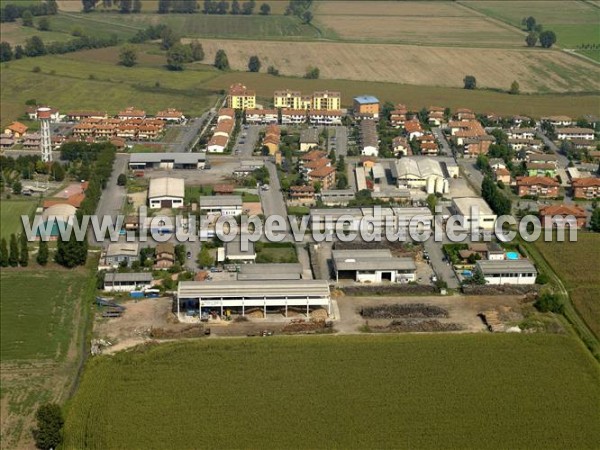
(411, 310)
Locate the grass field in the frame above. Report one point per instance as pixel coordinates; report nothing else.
(467, 391)
(578, 266)
(416, 97)
(574, 22)
(535, 70)
(92, 80)
(42, 315)
(387, 8)
(10, 215)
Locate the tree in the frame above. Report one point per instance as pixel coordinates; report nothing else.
(17, 187)
(6, 52)
(43, 254)
(88, 5)
(13, 256)
(177, 56)
(34, 46)
(531, 39)
(204, 258)
(197, 51)
(125, 6)
(10, 13)
(595, 220)
(27, 19)
(222, 7)
(58, 172)
(235, 7)
(248, 8)
(168, 38)
(221, 61)
(549, 302)
(137, 6)
(128, 56)
(529, 23)
(19, 52)
(122, 180)
(547, 39)
(254, 64)
(44, 24)
(3, 253)
(307, 17)
(514, 88)
(478, 277)
(71, 253)
(24, 252)
(49, 422)
(470, 82)
(312, 73)
(265, 9)
(164, 6)
(271, 70)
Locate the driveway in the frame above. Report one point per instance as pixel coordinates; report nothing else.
(442, 269)
(340, 142)
(441, 138)
(246, 141)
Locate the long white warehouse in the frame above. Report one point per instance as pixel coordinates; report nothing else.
(241, 295)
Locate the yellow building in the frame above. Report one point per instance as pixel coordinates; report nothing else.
(327, 100)
(288, 99)
(240, 97)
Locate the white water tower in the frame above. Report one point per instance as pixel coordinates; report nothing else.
(44, 115)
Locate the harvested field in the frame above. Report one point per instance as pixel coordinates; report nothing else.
(549, 71)
(413, 310)
(473, 31)
(387, 8)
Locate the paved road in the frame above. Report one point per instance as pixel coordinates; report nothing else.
(563, 161)
(439, 134)
(272, 200)
(471, 172)
(113, 197)
(338, 139)
(442, 269)
(249, 137)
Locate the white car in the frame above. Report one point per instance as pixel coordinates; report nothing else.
(265, 187)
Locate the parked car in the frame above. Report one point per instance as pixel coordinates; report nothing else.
(189, 255)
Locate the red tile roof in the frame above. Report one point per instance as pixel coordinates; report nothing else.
(562, 210)
(586, 182)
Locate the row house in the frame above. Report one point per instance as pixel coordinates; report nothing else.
(477, 145)
(217, 144)
(83, 130)
(293, 116)
(325, 117)
(502, 174)
(429, 148)
(32, 140)
(586, 188)
(584, 144)
(519, 144)
(435, 115)
(302, 195)
(545, 187)
(81, 115)
(398, 116)
(561, 216)
(464, 114)
(566, 134)
(148, 133)
(521, 133)
(170, 115)
(558, 121)
(131, 113)
(401, 146)
(127, 131)
(105, 131)
(543, 169)
(272, 138)
(240, 97)
(224, 128)
(543, 158)
(226, 114)
(262, 116)
(413, 129)
(519, 120)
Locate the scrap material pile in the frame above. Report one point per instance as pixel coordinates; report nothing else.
(416, 325)
(191, 331)
(412, 310)
(306, 326)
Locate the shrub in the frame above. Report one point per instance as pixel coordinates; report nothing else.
(549, 302)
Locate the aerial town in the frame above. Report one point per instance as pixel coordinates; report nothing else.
(286, 230)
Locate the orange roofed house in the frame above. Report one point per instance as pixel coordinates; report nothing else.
(544, 187)
(586, 188)
(555, 216)
(16, 130)
(324, 175)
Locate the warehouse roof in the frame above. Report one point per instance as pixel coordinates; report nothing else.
(309, 136)
(166, 187)
(281, 271)
(366, 99)
(220, 201)
(463, 205)
(234, 248)
(112, 277)
(123, 248)
(261, 289)
(505, 266)
(176, 158)
(370, 260)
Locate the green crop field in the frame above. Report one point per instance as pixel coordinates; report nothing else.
(578, 266)
(416, 97)
(42, 315)
(10, 215)
(465, 391)
(88, 80)
(574, 22)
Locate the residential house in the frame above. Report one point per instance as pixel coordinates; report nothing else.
(16, 130)
(32, 140)
(240, 97)
(519, 271)
(325, 117)
(32, 113)
(131, 113)
(478, 145)
(541, 169)
(398, 116)
(224, 128)
(463, 114)
(502, 174)
(561, 216)
(586, 188)
(312, 155)
(558, 121)
(413, 129)
(121, 253)
(164, 256)
(293, 116)
(521, 133)
(272, 139)
(324, 175)
(217, 144)
(6, 141)
(401, 146)
(170, 115)
(309, 139)
(543, 158)
(575, 133)
(226, 114)
(544, 187)
(302, 195)
(366, 106)
(261, 116)
(435, 115)
(368, 138)
(81, 115)
(520, 144)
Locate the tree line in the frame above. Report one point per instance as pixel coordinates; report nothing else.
(11, 11)
(537, 33)
(500, 203)
(35, 46)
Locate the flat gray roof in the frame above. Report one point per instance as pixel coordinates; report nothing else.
(112, 277)
(176, 158)
(309, 136)
(370, 260)
(463, 205)
(234, 248)
(283, 271)
(123, 248)
(349, 193)
(237, 289)
(220, 200)
(335, 212)
(506, 266)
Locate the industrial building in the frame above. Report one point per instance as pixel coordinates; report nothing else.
(118, 253)
(465, 207)
(224, 205)
(519, 271)
(279, 271)
(166, 192)
(235, 254)
(127, 282)
(54, 218)
(241, 297)
(373, 266)
(421, 173)
(142, 161)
